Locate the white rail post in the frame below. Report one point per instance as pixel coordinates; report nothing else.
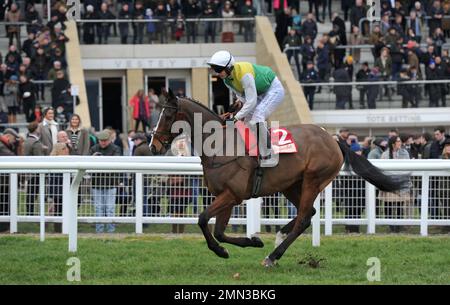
(316, 223)
(424, 205)
(73, 210)
(13, 195)
(139, 202)
(253, 216)
(66, 203)
(329, 209)
(370, 207)
(42, 205)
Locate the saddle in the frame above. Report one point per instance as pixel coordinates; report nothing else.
(282, 142)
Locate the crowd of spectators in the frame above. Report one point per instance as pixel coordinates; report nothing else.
(395, 146)
(409, 43)
(40, 57)
(166, 21)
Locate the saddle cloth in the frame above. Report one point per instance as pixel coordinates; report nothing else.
(281, 138)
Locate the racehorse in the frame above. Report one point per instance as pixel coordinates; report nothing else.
(299, 176)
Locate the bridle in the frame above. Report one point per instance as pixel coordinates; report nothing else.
(163, 137)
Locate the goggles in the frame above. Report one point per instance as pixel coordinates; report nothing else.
(217, 69)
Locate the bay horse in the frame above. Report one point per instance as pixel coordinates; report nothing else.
(299, 176)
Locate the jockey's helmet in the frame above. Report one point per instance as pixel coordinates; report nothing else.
(221, 60)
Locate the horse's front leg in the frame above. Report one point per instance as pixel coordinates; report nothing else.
(223, 201)
(219, 232)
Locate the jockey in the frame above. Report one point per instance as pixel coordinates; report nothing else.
(256, 87)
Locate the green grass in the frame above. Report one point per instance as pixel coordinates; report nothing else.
(170, 259)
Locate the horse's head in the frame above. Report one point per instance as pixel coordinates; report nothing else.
(162, 135)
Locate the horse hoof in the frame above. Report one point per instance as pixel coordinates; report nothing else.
(222, 252)
(280, 237)
(268, 263)
(257, 242)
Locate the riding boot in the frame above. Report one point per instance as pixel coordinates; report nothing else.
(265, 158)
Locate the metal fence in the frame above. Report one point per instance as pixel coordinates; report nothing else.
(143, 190)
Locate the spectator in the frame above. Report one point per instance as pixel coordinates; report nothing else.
(384, 65)
(426, 140)
(316, 8)
(138, 27)
(248, 11)
(11, 144)
(343, 93)
(39, 68)
(293, 42)
(434, 90)
(210, 10)
(395, 202)
(404, 89)
(338, 54)
(308, 52)
(14, 16)
(343, 136)
(33, 147)
(37, 116)
(227, 26)
(438, 40)
(59, 86)
(445, 155)
(441, 73)
(103, 28)
(309, 27)
(356, 39)
(436, 14)
(373, 90)
(49, 129)
(357, 12)
(28, 95)
(32, 18)
(154, 108)
(55, 195)
(52, 72)
(141, 109)
(193, 10)
(104, 185)
(177, 192)
(353, 199)
(346, 5)
(310, 75)
(446, 20)
(415, 25)
(438, 144)
(151, 28)
(339, 25)
(79, 136)
(11, 98)
(89, 27)
(323, 61)
(161, 15)
(362, 76)
(180, 26)
(124, 14)
(378, 147)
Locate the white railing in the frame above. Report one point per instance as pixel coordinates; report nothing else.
(348, 200)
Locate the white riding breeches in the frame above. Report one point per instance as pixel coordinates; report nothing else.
(267, 103)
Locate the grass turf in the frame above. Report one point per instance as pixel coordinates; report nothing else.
(185, 259)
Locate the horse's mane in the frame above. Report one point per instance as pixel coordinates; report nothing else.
(198, 103)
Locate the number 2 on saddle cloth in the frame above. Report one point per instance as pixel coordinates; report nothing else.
(281, 138)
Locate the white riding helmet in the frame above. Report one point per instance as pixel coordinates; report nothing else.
(221, 60)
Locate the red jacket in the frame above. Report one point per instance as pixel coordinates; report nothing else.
(134, 102)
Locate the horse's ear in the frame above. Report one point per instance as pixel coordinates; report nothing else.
(170, 94)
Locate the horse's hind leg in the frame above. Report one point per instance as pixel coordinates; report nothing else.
(219, 232)
(221, 203)
(310, 190)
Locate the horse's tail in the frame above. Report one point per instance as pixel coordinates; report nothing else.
(369, 172)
